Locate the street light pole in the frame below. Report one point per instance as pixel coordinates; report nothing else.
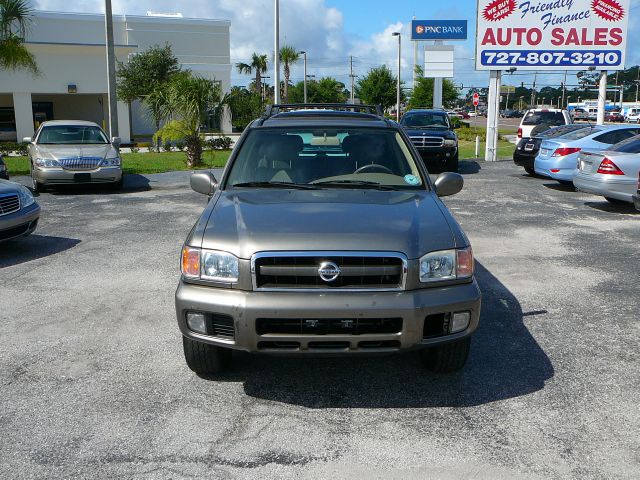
(397, 34)
(111, 70)
(305, 75)
(276, 73)
(352, 76)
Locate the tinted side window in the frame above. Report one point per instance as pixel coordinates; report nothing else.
(631, 145)
(616, 136)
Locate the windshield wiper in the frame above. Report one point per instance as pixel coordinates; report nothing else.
(355, 183)
(297, 186)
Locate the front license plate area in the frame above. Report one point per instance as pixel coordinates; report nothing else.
(81, 177)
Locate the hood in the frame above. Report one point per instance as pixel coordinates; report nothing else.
(246, 222)
(56, 152)
(7, 186)
(430, 132)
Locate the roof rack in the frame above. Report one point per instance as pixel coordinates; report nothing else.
(338, 107)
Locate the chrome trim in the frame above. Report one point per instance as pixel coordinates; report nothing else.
(324, 253)
(2, 210)
(421, 141)
(80, 163)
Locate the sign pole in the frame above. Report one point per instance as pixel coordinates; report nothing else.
(276, 42)
(437, 85)
(602, 96)
(493, 107)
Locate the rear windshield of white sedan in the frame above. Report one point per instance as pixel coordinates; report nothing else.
(549, 118)
(72, 135)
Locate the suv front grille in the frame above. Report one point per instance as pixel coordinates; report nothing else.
(328, 326)
(300, 270)
(9, 204)
(80, 163)
(425, 141)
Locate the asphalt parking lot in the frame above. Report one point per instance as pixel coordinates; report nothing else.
(94, 383)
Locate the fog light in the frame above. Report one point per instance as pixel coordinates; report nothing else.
(459, 321)
(197, 322)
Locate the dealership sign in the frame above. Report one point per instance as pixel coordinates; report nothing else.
(551, 34)
(439, 30)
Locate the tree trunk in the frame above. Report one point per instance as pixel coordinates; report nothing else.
(258, 82)
(287, 72)
(194, 150)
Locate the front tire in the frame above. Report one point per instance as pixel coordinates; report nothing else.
(205, 359)
(447, 358)
(615, 201)
(530, 170)
(566, 183)
(452, 164)
(36, 186)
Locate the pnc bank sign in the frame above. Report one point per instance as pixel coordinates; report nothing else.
(439, 30)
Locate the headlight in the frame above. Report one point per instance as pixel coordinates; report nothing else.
(47, 162)
(111, 162)
(446, 265)
(448, 142)
(26, 197)
(209, 265)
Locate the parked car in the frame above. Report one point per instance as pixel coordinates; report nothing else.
(614, 116)
(19, 211)
(612, 173)
(558, 156)
(326, 235)
(64, 152)
(4, 172)
(540, 119)
(592, 113)
(463, 114)
(636, 196)
(579, 114)
(511, 114)
(633, 115)
(528, 148)
(432, 134)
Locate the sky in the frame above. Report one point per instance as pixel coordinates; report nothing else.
(332, 31)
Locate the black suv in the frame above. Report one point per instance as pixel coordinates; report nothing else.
(432, 134)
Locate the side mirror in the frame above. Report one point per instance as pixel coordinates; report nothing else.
(204, 183)
(448, 183)
(26, 140)
(116, 141)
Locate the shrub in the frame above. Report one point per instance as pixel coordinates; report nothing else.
(167, 146)
(180, 145)
(219, 143)
(134, 148)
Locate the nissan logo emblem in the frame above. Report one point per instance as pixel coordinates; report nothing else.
(329, 271)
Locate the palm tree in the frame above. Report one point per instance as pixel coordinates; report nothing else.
(15, 18)
(259, 66)
(288, 57)
(185, 102)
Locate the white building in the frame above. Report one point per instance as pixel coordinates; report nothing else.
(70, 52)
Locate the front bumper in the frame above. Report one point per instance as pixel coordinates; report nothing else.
(61, 176)
(439, 154)
(636, 201)
(245, 307)
(21, 223)
(606, 186)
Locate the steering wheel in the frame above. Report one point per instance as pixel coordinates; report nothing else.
(375, 167)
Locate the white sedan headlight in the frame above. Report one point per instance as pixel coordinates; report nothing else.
(446, 265)
(26, 197)
(209, 265)
(111, 162)
(47, 162)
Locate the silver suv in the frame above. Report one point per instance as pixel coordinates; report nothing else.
(326, 235)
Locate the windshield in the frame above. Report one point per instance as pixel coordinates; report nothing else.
(538, 118)
(578, 134)
(72, 135)
(630, 145)
(320, 158)
(425, 120)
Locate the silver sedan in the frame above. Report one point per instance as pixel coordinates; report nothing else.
(19, 211)
(71, 152)
(613, 173)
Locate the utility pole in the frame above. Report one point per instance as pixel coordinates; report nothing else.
(305, 75)
(276, 63)
(533, 90)
(415, 61)
(564, 87)
(397, 34)
(602, 97)
(352, 77)
(111, 70)
(637, 84)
